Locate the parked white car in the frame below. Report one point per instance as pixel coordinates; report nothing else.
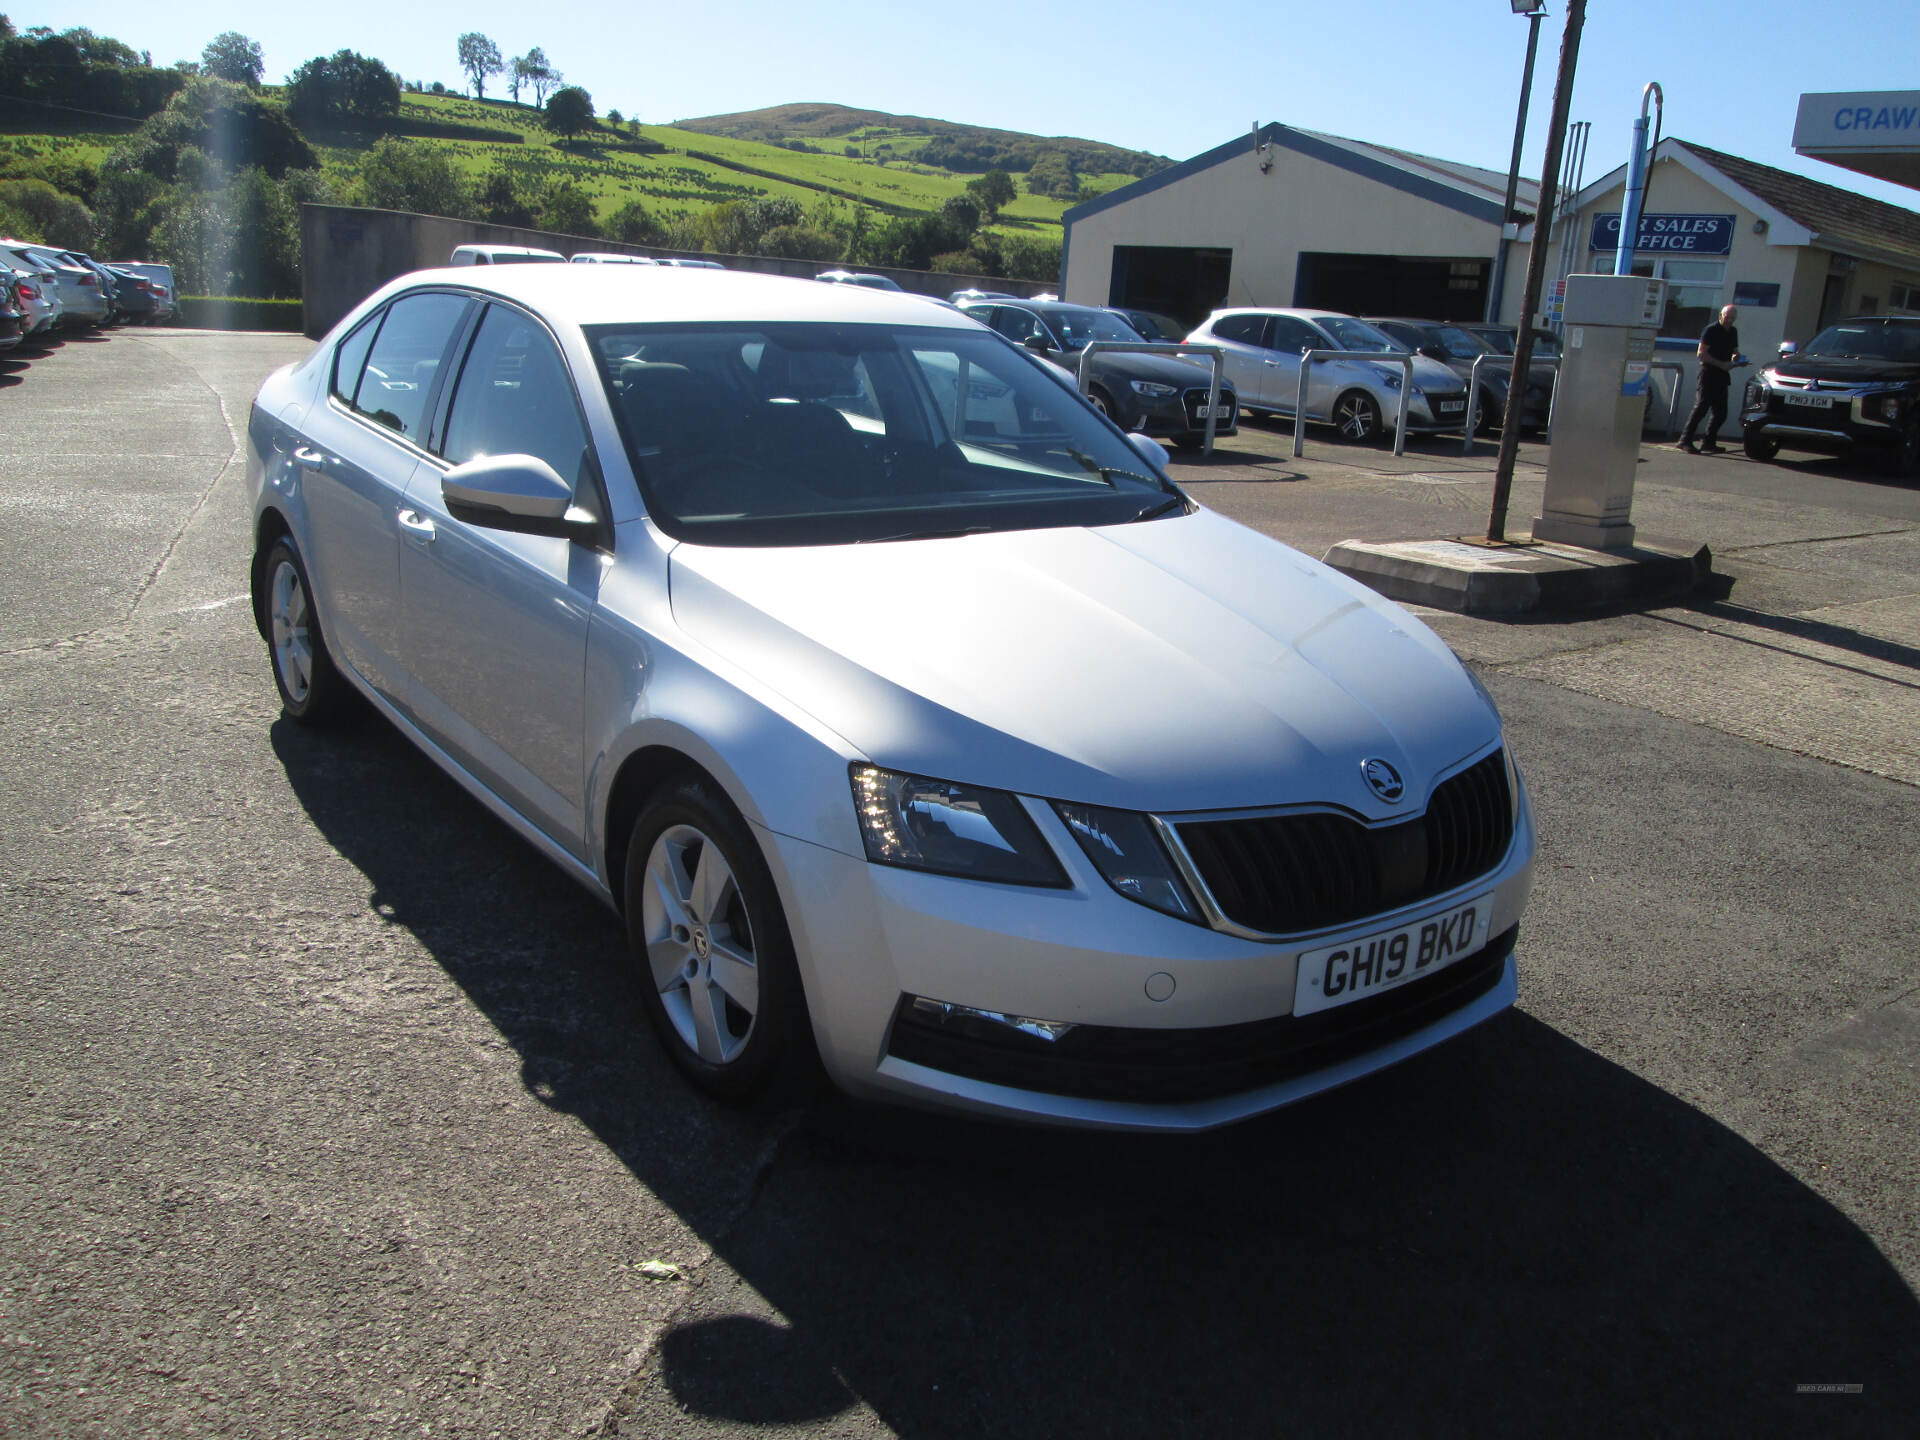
(904, 710)
(1361, 398)
(609, 257)
(504, 255)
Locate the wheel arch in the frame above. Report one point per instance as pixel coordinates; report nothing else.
(268, 528)
(642, 775)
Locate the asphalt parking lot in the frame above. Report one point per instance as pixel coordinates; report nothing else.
(332, 1110)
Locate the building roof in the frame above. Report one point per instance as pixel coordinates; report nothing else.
(1465, 188)
(1839, 219)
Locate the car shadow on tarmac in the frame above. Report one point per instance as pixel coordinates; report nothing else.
(1509, 1235)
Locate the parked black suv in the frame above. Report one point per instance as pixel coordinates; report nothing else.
(1151, 394)
(1854, 387)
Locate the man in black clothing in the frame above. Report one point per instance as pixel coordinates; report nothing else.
(1719, 350)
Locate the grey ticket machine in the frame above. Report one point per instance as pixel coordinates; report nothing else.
(1605, 363)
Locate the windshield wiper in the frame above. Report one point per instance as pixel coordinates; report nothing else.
(925, 535)
(1165, 507)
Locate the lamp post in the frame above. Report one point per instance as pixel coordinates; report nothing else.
(1535, 13)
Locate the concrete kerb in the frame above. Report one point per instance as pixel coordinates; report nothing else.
(1477, 577)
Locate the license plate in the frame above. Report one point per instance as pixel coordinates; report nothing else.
(1387, 959)
(1812, 402)
(1218, 412)
(1447, 407)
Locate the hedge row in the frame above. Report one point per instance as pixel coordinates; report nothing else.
(232, 312)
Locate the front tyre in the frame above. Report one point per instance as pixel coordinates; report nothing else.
(1903, 458)
(1758, 446)
(705, 926)
(312, 691)
(1357, 416)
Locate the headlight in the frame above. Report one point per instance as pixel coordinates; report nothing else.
(1124, 849)
(1390, 375)
(1150, 388)
(950, 829)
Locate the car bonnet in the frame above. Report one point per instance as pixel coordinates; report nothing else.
(1179, 664)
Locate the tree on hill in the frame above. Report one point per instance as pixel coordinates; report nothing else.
(993, 192)
(479, 57)
(232, 56)
(342, 89)
(400, 175)
(569, 111)
(219, 123)
(525, 69)
(1053, 174)
(962, 212)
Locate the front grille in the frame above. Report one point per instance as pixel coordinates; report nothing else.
(1195, 399)
(1099, 1062)
(1281, 874)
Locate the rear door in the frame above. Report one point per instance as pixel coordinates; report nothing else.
(496, 621)
(356, 459)
(1288, 338)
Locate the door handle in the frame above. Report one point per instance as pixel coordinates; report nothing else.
(417, 525)
(1274, 363)
(307, 458)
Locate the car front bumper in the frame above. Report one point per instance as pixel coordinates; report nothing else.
(1220, 1047)
(1178, 414)
(1836, 431)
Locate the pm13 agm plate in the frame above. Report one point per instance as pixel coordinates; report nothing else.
(1387, 959)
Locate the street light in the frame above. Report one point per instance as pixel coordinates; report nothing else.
(1535, 12)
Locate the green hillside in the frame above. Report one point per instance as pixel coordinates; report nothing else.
(100, 150)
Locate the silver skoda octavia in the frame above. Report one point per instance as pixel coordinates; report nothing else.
(901, 707)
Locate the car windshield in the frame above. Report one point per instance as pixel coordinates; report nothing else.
(820, 434)
(1351, 334)
(1498, 341)
(1460, 344)
(1869, 340)
(1078, 324)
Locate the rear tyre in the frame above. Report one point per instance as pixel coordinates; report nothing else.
(1357, 417)
(1758, 446)
(710, 942)
(312, 691)
(1488, 420)
(1103, 402)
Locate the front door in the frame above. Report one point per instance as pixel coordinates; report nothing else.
(496, 622)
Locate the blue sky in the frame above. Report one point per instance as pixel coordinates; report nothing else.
(1441, 77)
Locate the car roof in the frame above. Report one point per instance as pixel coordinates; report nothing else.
(671, 294)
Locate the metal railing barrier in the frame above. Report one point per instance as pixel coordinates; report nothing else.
(1145, 347)
(1473, 393)
(1310, 358)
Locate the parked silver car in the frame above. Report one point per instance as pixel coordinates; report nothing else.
(40, 296)
(901, 706)
(1361, 398)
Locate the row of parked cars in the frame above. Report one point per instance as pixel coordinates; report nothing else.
(1262, 349)
(43, 289)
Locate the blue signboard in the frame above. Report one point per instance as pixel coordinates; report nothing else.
(1668, 234)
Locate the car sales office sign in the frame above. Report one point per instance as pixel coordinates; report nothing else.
(1668, 234)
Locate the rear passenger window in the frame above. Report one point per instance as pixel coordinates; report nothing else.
(515, 398)
(1244, 329)
(404, 359)
(351, 358)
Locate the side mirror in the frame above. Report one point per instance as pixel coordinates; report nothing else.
(1039, 344)
(1788, 349)
(515, 492)
(1151, 450)
(1433, 352)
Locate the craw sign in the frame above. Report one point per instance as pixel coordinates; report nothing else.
(1668, 234)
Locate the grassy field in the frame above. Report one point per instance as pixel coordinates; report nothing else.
(681, 179)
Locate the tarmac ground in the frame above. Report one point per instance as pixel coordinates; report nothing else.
(332, 1112)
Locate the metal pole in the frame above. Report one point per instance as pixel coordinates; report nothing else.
(1495, 290)
(1537, 258)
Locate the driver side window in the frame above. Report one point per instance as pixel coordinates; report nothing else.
(515, 398)
(1291, 336)
(1019, 325)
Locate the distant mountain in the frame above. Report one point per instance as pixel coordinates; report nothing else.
(969, 149)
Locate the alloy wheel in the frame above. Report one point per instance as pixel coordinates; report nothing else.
(292, 635)
(699, 944)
